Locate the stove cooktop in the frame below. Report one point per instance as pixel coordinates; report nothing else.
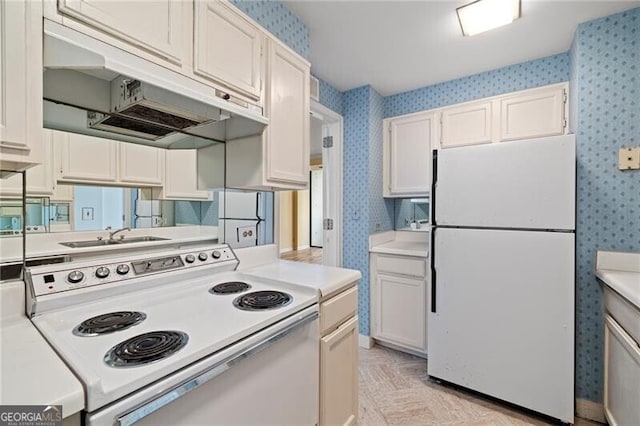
(209, 323)
(109, 323)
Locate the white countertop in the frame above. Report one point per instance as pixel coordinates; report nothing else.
(621, 272)
(48, 244)
(405, 243)
(31, 373)
(326, 280)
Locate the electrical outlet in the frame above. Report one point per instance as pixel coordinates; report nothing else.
(246, 233)
(629, 158)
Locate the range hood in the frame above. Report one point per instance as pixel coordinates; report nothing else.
(96, 89)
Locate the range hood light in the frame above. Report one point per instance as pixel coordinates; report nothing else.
(485, 15)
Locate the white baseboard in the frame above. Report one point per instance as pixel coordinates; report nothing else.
(285, 249)
(590, 410)
(365, 341)
(302, 248)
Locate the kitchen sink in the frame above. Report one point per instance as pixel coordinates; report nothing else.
(101, 243)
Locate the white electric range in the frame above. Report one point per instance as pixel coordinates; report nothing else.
(180, 337)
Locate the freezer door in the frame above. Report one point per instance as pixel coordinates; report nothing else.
(504, 316)
(525, 184)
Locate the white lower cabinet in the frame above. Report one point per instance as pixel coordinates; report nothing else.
(339, 359)
(399, 301)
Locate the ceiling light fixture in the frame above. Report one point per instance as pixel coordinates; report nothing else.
(485, 15)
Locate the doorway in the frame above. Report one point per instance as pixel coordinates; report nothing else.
(311, 220)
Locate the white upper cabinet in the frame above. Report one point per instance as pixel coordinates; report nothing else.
(279, 159)
(533, 113)
(154, 26)
(141, 164)
(86, 159)
(228, 47)
(181, 176)
(40, 178)
(407, 155)
(92, 160)
(287, 135)
(20, 84)
(467, 124)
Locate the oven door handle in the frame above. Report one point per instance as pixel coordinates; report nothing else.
(148, 407)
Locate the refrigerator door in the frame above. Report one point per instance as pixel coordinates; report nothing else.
(238, 205)
(502, 321)
(526, 184)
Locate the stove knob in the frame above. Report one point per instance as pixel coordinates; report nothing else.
(75, 277)
(122, 269)
(202, 256)
(216, 254)
(190, 258)
(102, 272)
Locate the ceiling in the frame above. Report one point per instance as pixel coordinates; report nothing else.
(401, 45)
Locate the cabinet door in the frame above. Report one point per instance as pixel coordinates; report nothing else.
(180, 179)
(469, 124)
(141, 164)
(400, 311)
(86, 159)
(40, 180)
(287, 136)
(155, 26)
(20, 84)
(533, 114)
(407, 155)
(339, 375)
(228, 47)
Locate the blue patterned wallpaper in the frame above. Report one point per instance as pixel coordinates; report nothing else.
(330, 96)
(527, 75)
(363, 205)
(380, 209)
(605, 76)
(279, 20)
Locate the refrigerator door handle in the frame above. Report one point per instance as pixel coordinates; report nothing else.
(433, 270)
(434, 184)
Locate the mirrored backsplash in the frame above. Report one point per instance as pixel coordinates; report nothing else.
(411, 210)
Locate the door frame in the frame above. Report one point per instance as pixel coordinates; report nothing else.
(332, 125)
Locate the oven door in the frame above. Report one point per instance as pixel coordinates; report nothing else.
(269, 378)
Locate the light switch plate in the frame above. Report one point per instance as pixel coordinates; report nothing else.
(629, 158)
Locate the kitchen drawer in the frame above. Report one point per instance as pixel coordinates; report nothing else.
(336, 310)
(621, 376)
(401, 265)
(625, 314)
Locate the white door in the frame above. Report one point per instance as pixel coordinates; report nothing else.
(317, 211)
(332, 190)
(400, 311)
(287, 137)
(407, 155)
(468, 124)
(86, 158)
(228, 47)
(141, 164)
(523, 184)
(503, 319)
(339, 375)
(155, 26)
(534, 114)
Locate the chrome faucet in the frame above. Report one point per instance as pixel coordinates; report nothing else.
(113, 234)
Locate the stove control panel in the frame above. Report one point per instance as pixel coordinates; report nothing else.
(60, 277)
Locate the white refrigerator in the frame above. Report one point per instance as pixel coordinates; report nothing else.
(242, 218)
(501, 318)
